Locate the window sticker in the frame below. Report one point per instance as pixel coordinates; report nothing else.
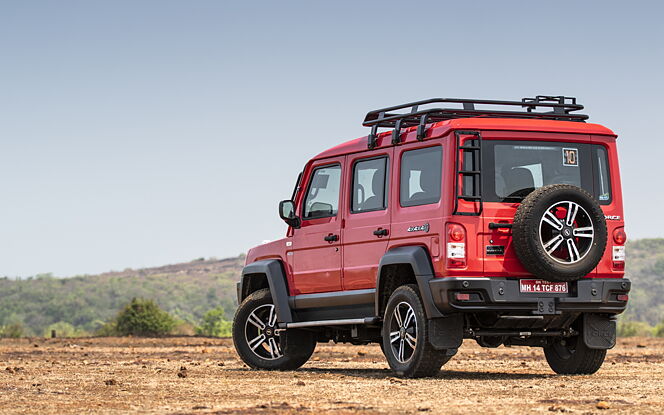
(570, 157)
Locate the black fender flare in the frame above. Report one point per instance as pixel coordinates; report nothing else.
(418, 258)
(276, 279)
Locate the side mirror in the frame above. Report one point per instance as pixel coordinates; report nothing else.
(287, 213)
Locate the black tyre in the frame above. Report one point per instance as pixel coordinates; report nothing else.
(405, 336)
(258, 342)
(559, 232)
(572, 357)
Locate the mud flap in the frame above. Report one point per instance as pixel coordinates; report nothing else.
(446, 332)
(599, 331)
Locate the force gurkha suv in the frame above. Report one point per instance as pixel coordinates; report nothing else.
(502, 224)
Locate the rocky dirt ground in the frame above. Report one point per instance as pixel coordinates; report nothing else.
(204, 376)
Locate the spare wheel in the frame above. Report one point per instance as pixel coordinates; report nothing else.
(559, 232)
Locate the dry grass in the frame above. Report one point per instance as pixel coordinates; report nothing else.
(204, 376)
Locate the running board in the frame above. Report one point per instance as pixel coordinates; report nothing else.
(343, 322)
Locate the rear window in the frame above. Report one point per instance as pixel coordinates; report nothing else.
(513, 169)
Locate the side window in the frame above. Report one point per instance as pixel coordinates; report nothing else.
(421, 171)
(322, 199)
(603, 183)
(369, 185)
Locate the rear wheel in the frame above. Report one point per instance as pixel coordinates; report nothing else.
(405, 336)
(258, 341)
(572, 357)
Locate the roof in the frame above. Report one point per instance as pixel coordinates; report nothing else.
(484, 124)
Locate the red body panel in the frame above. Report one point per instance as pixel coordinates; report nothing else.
(314, 265)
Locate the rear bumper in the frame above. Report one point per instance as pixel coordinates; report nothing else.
(503, 295)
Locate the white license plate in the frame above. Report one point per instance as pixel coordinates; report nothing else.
(541, 286)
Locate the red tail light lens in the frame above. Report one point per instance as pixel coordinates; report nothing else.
(619, 236)
(456, 232)
(456, 246)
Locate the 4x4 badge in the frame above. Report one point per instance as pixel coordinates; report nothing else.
(420, 228)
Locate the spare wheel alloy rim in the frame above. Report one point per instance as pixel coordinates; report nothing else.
(261, 334)
(566, 232)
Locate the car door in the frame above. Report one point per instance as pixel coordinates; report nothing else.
(367, 218)
(316, 249)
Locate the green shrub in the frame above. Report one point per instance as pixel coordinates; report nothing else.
(13, 331)
(214, 324)
(658, 331)
(143, 317)
(634, 328)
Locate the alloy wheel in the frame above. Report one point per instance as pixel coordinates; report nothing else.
(403, 332)
(566, 232)
(261, 334)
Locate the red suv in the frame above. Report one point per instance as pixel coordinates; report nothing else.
(499, 221)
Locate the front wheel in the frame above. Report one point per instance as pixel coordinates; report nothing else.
(259, 342)
(572, 357)
(405, 336)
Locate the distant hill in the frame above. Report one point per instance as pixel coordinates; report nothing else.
(645, 267)
(186, 290)
(190, 289)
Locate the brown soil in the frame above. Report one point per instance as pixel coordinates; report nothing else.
(204, 376)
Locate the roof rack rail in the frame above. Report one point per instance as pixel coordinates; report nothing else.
(558, 108)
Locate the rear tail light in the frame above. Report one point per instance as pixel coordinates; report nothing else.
(618, 252)
(622, 297)
(456, 246)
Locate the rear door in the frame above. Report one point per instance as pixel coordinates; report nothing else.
(317, 243)
(367, 218)
(514, 164)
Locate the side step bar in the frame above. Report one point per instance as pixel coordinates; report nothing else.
(348, 321)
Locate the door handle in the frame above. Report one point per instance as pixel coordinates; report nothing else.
(381, 232)
(331, 238)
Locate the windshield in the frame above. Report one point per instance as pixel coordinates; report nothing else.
(516, 168)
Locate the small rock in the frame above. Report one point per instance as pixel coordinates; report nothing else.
(641, 346)
(220, 364)
(35, 345)
(182, 374)
(300, 383)
(183, 368)
(110, 382)
(361, 353)
(9, 370)
(198, 407)
(396, 380)
(603, 405)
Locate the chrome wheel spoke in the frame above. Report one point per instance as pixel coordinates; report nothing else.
(253, 319)
(553, 244)
(410, 314)
(274, 348)
(402, 346)
(585, 232)
(256, 341)
(572, 210)
(394, 336)
(272, 318)
(397, 315)
(552, 220)
(412, 341)
(573, 251)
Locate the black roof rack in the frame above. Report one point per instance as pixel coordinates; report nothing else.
(556, 108)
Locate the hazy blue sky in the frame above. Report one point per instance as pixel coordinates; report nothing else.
(137, 133)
